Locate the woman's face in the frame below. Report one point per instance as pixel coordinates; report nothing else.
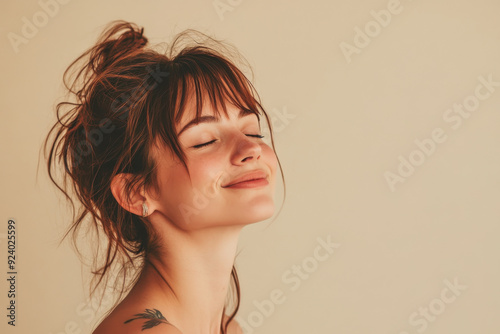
(232, 151)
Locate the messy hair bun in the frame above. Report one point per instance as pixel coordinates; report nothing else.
(119, 41)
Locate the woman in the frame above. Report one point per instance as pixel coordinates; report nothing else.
(166, 156)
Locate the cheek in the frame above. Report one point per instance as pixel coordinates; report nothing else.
(174, 183)
(195, 197)
(270, 157)
(271, 161)
(207, 171)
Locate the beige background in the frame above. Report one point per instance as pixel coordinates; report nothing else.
(347, 125)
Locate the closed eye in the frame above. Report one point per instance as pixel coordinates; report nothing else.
(213, 141)
(204, 144)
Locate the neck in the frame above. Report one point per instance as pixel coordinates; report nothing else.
(190, 276)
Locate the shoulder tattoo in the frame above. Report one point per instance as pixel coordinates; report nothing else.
(153, 318)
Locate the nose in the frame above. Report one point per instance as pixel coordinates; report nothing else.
(246, 149)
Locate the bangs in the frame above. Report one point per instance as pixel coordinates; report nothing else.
(198, 76)
(198, 73)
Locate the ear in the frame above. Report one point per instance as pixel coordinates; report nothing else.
(132, 202)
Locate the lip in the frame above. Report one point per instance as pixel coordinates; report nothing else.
(250, 179)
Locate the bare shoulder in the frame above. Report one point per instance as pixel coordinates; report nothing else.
(126, 322)
(134, 321)
(130, 330)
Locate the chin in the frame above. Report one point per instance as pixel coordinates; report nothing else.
(259, 213)
(240, 212)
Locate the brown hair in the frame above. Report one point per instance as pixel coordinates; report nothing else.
(123, 96)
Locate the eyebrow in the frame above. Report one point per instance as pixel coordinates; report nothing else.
(212, 119)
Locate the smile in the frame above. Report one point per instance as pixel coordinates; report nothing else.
(251, 179)
(255, 183)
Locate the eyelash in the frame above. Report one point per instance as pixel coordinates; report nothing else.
(212, 141)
